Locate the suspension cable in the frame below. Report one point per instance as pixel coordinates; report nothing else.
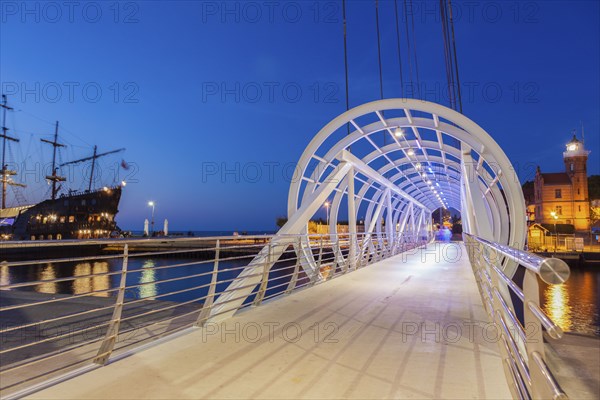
(410, 65)
(414, 40)
(398, 48)
(450, 55)
(379, 49)
(379, 59)
(455, 57)
(346, 60)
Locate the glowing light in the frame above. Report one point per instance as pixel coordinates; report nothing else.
(123, 183)
(557, 306)
(572, 147)
(398, 132)
(410, 152)
(151, 203)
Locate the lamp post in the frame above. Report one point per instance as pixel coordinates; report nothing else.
(553, 213)
(152, 204)
(327, 211)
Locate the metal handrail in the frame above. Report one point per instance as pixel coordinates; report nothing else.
(522, 351)
(329, 254)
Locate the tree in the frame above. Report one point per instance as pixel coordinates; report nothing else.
(280, 221)
(594, 187)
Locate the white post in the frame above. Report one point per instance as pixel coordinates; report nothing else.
(351, 220)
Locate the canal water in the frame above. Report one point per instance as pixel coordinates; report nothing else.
(574, 305)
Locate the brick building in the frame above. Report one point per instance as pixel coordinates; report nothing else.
(562, 197)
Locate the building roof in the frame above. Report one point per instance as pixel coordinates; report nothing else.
(575, 140)
(556, 178)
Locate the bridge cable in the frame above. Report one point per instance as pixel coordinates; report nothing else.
(455, 57)
(398, 48)
(414, 40)
(379, 59)
(447, 57)
(450, 55)
(410, 65)
(346, 60)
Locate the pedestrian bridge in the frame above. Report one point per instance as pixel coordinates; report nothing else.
(376, 310)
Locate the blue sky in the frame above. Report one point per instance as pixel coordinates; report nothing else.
(215, 100)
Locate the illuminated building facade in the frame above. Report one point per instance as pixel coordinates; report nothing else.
(562, 197)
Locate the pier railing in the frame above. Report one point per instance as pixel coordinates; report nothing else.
(522, 344)
(64, 316)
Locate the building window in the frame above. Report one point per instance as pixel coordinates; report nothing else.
(572, 167)
(558, 210)
(579, 208)
(557, 194)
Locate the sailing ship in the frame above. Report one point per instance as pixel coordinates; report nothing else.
(87, 214)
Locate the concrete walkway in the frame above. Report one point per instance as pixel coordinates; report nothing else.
(411, 326)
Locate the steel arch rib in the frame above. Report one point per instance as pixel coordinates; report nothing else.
(407, 199)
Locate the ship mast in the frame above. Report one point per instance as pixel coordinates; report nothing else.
(93, 158)
(6, 173)
(54, 178)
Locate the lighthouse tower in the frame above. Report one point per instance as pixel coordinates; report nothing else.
(575, 158)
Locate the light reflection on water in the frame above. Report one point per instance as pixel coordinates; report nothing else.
(93, 283)
(557, 305)
(47, 273)
(575, 304)
(149, 290)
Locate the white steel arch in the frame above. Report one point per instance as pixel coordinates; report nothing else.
(399, 160)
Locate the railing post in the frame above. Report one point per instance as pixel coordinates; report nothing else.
(260, 295)
(319, 261)
(294, 279)
(533, 332)
(351, 261)
(108, 344)
(337, 254)
(210, 298)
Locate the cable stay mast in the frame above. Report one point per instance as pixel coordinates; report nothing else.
(6, 173)
(54, 178)
(94, 157)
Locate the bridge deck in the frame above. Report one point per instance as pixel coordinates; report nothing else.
(401, 328)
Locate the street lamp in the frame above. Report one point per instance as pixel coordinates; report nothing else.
(553, 213)
(327, 211)
(151, 204)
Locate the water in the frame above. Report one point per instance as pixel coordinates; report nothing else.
(144, 277)
(574, 305)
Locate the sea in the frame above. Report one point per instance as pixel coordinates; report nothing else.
(573, 305)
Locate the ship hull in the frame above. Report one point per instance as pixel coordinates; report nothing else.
(86, 215)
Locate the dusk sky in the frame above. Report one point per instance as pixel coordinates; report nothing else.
(205, 94)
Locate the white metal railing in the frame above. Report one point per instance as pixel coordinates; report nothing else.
(522, 344)
(47, 336)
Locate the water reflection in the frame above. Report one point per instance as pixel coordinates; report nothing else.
(149, 290)
(557, 305)
(91, 283)
(4, 275)
(575, 304)
(47, 273)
